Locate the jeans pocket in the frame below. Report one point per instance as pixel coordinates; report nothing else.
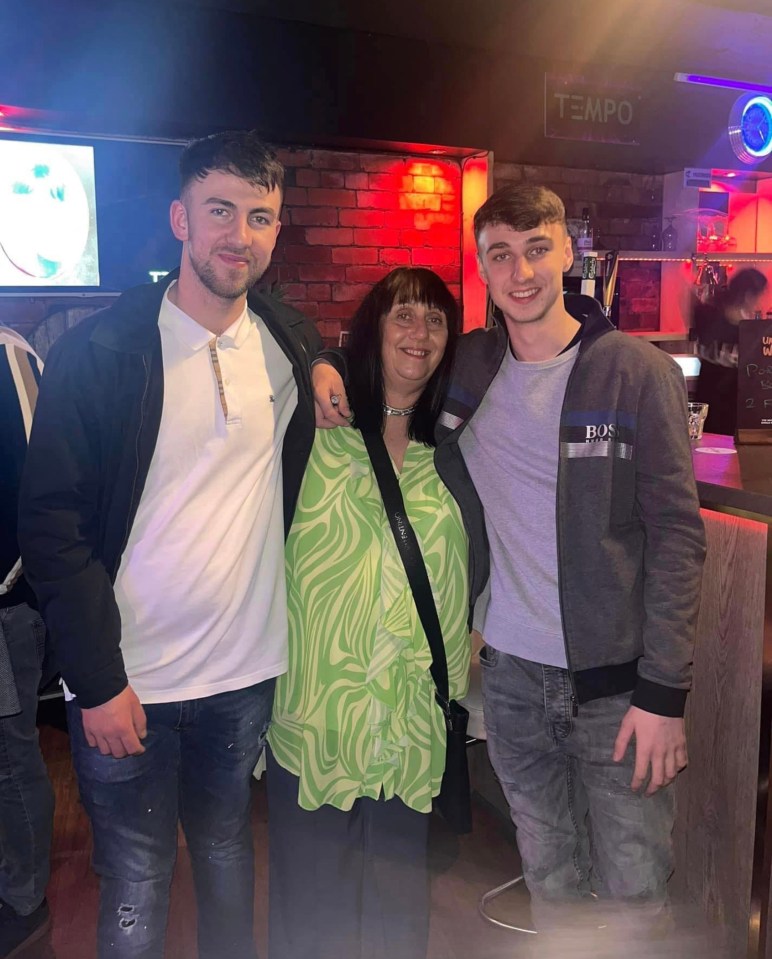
(489, 657)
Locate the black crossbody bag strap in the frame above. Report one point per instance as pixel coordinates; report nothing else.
(413, 561)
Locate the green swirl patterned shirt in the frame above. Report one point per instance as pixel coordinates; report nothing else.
(355, 714)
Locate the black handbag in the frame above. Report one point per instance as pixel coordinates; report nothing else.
(454, 801)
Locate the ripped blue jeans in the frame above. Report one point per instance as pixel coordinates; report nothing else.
(196, 769)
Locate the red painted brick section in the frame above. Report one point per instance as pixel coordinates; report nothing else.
(295, 157)
(311, 310)
(375, 237)
(295, 196)
(421, 201)
(356, 254)
(434, 236)
(333, 181)
(382, 164)
(307, 254)
(327, 160)
(319, 291)
(356, 181)
(365, 274)
(377, 200)
(314, 216)
(336, 311)
(333, 237)
(307, 178)
(345, 292)
(294, 291)
(397, 257)
(402, 219)
(391, 182)
(424, 184)
(371, 218)
(332, 198)
(426, 256)
(323, 271)
(351, 217)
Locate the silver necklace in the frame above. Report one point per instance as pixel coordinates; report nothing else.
(395, 411)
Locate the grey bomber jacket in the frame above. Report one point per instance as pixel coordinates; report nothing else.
(631, 541)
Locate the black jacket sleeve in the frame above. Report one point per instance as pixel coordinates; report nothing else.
(59, 530)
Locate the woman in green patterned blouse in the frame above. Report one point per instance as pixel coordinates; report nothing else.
(357, 741)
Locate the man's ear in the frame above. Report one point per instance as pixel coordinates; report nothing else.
(568, 255)
(178, 218)
(481, 270)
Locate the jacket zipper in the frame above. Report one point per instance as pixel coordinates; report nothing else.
(130, 515)
(558, 534)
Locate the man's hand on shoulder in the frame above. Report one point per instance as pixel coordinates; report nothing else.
(330, 400)
(116, 727)
(660, 747)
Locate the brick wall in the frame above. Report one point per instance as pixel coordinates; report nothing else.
(625, 209)
(350, 218)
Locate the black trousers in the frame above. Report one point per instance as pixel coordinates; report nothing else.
(345, 885)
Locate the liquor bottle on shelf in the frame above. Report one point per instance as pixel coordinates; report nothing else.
(585, 239)
(670, 236)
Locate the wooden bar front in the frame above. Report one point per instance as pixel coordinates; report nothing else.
(722, 841)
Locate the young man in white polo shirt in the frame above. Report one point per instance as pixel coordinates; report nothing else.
(171, 435)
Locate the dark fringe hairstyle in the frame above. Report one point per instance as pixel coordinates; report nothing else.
(746, 283)
(240, 152)
(365, 379)
(521, 207)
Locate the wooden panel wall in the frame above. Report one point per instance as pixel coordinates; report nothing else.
(716, 795)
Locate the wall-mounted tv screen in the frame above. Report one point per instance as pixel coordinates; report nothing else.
(48, 215)
(80, 215)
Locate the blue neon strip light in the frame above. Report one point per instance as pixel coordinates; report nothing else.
(721, 82)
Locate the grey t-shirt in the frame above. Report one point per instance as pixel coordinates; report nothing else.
(511, 449)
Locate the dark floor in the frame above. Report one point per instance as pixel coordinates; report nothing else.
(462, 869)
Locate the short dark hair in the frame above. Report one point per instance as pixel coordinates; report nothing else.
(365, 381)
(746, 283)
(240, 152)
(521, 207)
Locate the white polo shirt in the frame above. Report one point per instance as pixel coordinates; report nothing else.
(201, 587)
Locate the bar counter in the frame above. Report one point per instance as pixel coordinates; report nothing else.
(723, 834)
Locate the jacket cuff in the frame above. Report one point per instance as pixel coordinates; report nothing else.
(658, 699)
(336, 359)
(98, 688)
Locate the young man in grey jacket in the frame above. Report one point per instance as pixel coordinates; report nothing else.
(575, 438)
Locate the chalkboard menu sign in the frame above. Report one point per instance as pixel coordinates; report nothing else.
(754, 382)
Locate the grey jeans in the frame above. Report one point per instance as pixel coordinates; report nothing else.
(26, 796)
(580, 828)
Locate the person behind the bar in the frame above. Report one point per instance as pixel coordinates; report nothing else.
(716, 325)
(165, 460)
(357, 742)
(26, 796)
(575, 438)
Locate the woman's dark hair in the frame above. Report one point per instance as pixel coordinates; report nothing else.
(365, 379)
(746, 283)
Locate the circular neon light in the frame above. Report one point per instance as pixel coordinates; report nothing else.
(750, 128)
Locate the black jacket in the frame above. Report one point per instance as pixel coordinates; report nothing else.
(93, 438)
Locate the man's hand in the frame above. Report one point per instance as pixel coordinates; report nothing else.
(660, 747)
(116, 727)
(330, 398)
